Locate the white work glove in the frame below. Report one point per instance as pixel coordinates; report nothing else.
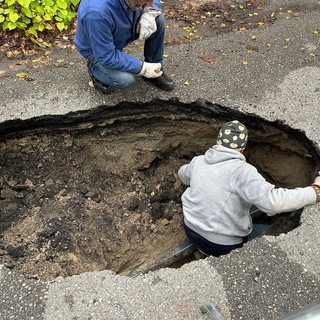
(147, 23)
(317, 180)
(150, 70)
(316, 186)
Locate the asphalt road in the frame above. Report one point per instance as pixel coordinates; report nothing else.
(277, 81)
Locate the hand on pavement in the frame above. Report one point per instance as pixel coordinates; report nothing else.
(150, 70)
(147, 24)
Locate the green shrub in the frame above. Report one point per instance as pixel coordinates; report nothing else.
(36, 16)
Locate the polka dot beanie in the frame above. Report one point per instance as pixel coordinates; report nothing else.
(233, 135)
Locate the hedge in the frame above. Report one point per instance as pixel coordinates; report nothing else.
(34, 16)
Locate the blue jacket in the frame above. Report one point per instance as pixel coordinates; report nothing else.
(104, 28)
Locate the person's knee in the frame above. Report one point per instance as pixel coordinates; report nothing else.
(123, 80)
(110, 77)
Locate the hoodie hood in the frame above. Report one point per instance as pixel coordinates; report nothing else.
(219, 153)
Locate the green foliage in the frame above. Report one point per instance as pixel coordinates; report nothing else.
(36, 16)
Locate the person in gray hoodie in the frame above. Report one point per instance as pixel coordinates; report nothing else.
(222, 189)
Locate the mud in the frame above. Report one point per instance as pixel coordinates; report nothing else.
(100, 191)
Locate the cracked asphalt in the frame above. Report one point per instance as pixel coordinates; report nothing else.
(272, 72)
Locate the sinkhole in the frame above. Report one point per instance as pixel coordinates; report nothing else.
(98, 189)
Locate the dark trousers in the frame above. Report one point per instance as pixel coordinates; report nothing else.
(207, 247)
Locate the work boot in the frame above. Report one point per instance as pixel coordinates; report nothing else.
(99, 86)
(163, 82)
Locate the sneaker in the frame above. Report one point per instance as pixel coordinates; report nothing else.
(163, 82)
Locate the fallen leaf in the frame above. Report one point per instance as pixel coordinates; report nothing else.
(245, 62)
(21, 75)
(60, 64)
(24, 76)
(207, 59)
(10, 54)
(186, 83)
(252, 48)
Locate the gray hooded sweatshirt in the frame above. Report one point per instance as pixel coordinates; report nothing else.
(222, 188)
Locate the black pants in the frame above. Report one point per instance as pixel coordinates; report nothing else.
(207, 247)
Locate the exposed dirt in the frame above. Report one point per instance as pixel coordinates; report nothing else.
(74, 202)
(107, 196)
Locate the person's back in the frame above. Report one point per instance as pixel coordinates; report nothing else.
(212, 207)
(110, 20)
(223, 187)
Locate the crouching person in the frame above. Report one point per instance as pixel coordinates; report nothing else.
(105, 28)
(222, 187)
